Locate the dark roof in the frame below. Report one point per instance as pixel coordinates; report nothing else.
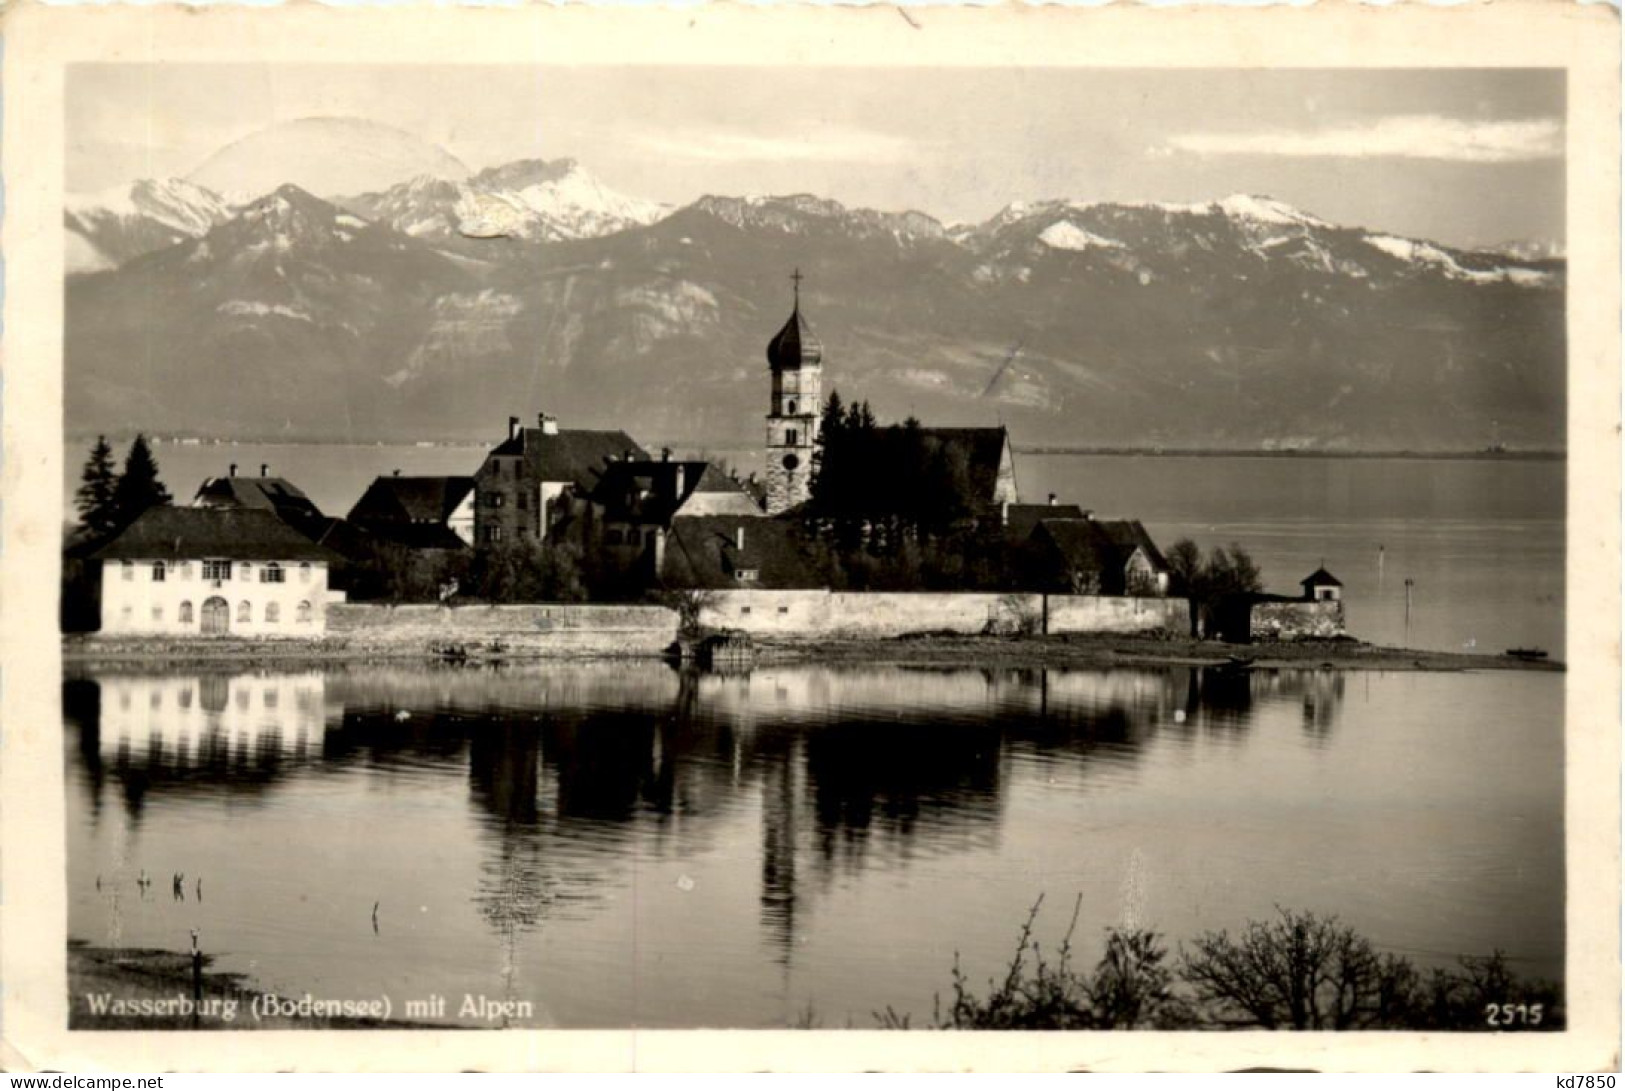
(576, 455)
(1321, 578)
(1020, 519)
(1080, 542)
(274, 494)
(646, 491)
(410, 500)
(229, 533)
(702, 551)
(1100, 544)
(795, 345)
(348, 540)
(1126, 534)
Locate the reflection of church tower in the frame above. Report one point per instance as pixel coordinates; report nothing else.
(796, 358)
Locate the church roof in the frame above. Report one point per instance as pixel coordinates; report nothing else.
(795, 346)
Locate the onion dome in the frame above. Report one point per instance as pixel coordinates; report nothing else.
(795, 346)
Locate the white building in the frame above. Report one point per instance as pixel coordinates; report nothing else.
(214, 572)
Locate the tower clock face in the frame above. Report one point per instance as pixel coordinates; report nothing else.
(791, 462)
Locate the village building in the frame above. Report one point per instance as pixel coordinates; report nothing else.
(1091, 556)
(213, 571)
(540, 477)
(1020, 520)
(724, 552)
(635, 503)
(276, 495)
(417, 512)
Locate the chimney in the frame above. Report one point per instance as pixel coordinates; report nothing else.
(513, 427)
(1088, 513)
(265, 470)
(739, 539)
(1052, 500)
(665, 454)
(626, 455)
(549, 425)
(1004, 511)
(681, 478)
(397, 471)
(233, 469)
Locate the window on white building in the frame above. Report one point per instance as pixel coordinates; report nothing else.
(217, 570)
(247, 571)
(245, 612)
(304, 571)
(273, 612)
(157, 613)
(186, 612)
(127, 570)
(159, 571)
(271, 573)
(304, 614)
(790, 436)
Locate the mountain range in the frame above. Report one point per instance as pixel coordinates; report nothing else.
(437, 307)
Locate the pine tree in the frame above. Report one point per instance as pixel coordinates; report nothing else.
(98, 483)
(138, 486)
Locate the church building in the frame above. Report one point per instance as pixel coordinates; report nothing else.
(796, 358)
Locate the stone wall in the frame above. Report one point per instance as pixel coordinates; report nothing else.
(1297, 620)
(1118, 614)
(846, 613)
(563, 627)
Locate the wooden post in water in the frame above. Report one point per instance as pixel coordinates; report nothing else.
(197, 979)
(1409, 583)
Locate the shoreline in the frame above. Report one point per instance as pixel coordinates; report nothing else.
(924, 649)
(133, 977)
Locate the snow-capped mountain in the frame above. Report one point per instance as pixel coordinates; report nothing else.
(1239, 322)
(109, 228)
(533, 200)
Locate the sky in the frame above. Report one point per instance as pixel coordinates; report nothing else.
(1467, 157)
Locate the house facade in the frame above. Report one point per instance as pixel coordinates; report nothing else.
(635, 504)
(538, 478)
(213, 572)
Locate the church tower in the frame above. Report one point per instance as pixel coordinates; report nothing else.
(796, 359)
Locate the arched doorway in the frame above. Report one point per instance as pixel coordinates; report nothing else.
(216, 615)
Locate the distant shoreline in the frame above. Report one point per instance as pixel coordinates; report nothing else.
(1200, 452)
(1018, 448)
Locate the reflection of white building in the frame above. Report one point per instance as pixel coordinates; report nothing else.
(214, 571)
(214, 717)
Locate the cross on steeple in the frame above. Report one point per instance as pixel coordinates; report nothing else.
(796, 278)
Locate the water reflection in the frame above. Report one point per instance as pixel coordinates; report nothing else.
(568, 770)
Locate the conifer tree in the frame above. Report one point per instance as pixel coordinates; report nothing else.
(138, 486)
(98, 482)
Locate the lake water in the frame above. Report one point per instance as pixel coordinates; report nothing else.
(624, 845)
(1482, 541)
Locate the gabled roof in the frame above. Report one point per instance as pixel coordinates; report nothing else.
(411, 500)
(273, 494)
(648, 491)
(984, 450)
(228, 533)
(575, 455)
(1081, 543)
(703, 551)
(1020, 519)
(1127, 534)
(1320, 578)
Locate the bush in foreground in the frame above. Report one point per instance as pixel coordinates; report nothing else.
(1297, 971)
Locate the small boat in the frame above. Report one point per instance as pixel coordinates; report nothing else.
(1527, 653)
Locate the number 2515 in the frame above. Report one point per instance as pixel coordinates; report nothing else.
(1514, 1015)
